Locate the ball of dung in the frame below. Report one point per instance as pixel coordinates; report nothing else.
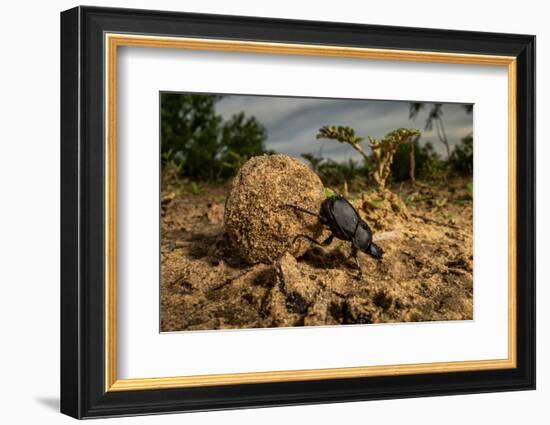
(259, 219)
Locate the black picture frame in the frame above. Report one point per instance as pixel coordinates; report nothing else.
(83, 392)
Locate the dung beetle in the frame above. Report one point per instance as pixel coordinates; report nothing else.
(345, 224)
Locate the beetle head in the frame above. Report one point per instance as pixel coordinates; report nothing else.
(374, 251)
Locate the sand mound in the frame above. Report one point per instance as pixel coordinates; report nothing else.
(426, 273)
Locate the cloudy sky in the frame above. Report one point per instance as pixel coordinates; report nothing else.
(292, 123)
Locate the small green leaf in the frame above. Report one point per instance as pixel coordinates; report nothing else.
(375, 203)
(440, 202)
(470, 189)
(195, 188)
(329, 193)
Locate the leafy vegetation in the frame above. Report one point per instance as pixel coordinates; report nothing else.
(380, 161)
(462, 159)
(197, 144)
(343, 135)
(427, 162)
(383, 151)
(334, 173)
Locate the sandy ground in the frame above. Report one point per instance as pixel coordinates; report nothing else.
(426, 272)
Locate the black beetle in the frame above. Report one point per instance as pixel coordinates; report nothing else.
(345, 224)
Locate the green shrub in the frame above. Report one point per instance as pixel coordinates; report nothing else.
(428, 163)
(333, 173)
(198, 141)
(461, 161)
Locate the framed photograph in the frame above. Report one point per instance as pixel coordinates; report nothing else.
(261, 212)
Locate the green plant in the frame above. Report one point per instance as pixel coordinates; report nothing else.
(241, 138)
(333, 173)
(383, 151)
(461, 160)
(195, 188)
(329, 193)
(314, 161)
(343, 134)
(428, 164)
(206, 147)
(171, 170)
(470, 190)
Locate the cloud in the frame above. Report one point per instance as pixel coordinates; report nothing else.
(292, 123)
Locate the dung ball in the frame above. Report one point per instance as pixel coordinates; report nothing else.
(258, 220)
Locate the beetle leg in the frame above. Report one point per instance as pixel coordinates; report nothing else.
(326, 242)
(303, 210)
(354, 255)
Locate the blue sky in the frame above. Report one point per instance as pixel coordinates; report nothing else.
(292, 122)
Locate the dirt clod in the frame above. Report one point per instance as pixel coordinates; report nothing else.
(259, 221)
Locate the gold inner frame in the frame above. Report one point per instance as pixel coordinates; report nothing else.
(113, 41)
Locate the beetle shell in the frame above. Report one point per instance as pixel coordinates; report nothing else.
(344, 222)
